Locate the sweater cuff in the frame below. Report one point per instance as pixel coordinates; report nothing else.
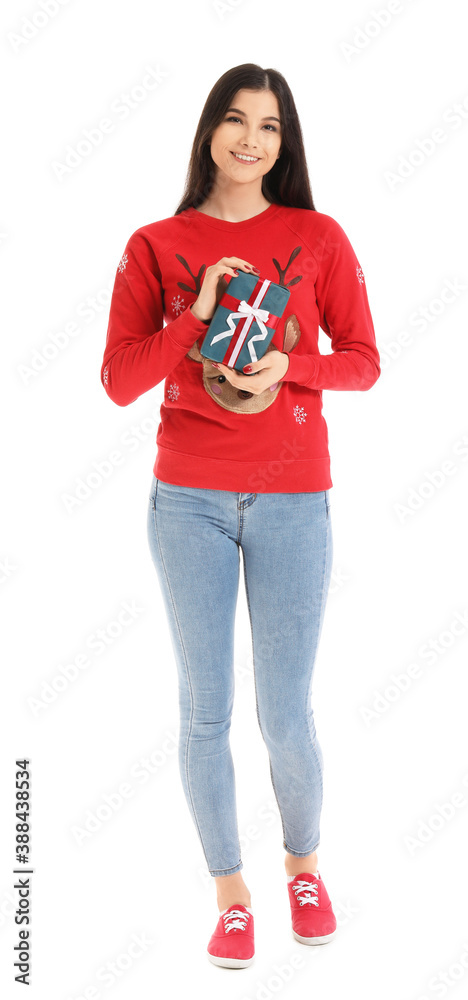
(302, 368)
(186, 329)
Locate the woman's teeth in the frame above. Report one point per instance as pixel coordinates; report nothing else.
(246, 159)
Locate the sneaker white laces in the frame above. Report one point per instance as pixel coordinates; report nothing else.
(307, 888)
(235, 918)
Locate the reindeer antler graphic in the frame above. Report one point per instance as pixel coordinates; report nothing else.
(196, 277)
(282, 274)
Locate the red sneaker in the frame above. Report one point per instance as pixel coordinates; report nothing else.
(313, 920)
(232, 942)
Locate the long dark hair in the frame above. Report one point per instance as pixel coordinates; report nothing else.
(287, 183)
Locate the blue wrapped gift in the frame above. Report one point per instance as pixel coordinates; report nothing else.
(245, 321)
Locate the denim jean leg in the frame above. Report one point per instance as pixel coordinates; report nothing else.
(197, 563)
(287, 548)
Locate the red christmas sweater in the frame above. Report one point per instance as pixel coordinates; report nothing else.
(211, 434)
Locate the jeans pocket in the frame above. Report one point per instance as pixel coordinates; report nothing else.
(327, 501)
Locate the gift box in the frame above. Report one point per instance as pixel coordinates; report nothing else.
(245, 321)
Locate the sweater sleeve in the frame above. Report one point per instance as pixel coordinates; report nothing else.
(139, 350)
(345, 316)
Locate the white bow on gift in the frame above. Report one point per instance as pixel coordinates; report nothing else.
(260, 315)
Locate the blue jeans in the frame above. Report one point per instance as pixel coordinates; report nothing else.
(195, 537)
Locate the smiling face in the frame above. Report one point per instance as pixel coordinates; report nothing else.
(252, 127)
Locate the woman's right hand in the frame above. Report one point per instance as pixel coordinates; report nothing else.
(214, 285)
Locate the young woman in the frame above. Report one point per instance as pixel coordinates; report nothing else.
(243, 463)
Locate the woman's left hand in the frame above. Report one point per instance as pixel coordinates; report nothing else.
(271, 369)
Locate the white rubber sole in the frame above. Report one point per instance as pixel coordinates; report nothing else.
(230, 963)
(314, 940)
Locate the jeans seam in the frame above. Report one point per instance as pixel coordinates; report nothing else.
(309, 691)
(188, 676)
(256, 700)
(298, 854)
(224, 871)
(308, 695)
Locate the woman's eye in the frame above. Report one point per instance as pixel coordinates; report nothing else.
(233, 118)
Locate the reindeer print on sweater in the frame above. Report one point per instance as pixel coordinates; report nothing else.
(217, 385)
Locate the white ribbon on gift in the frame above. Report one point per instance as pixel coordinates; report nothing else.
(253, 312)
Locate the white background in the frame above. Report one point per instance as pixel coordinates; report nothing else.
(394, 867)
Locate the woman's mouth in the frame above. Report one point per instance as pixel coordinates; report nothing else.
(240, 158)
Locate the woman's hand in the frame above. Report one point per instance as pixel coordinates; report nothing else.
(214, 284)
(269, 370)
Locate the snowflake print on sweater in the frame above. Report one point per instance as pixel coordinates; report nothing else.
(177, 305)
(218, 433)
(300, 414)
(173, 391)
